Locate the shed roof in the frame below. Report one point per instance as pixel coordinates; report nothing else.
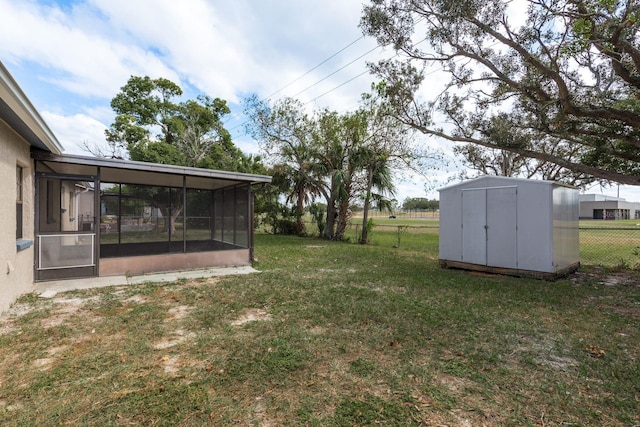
(507, 180)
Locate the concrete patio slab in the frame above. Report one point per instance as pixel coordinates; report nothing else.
(51, 288)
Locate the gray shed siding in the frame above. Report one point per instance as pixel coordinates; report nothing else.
(510, 223)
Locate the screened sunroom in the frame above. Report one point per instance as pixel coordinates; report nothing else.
(102, 217)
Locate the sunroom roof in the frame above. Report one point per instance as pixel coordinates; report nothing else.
(143, 173)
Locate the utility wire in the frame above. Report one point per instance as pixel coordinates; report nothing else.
(317, 66)
(337, 87)
(338, 70)
(306, 73)
(324, 78)
(331, 74)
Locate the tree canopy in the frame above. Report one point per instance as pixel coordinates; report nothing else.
(341, 157)
(553, 80)
(420, 203)
(153, 125)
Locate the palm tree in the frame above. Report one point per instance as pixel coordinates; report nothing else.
(377, 177)
(301, 176)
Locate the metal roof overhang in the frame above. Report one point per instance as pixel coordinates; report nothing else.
(142, 173)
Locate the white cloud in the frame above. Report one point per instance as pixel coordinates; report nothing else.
(73, 131)
(79, 59)
(224, 49)
(198, 43)
(247, 146)
(85, 50)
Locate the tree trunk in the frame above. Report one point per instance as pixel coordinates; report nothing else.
(171, 225)
(343, 219)
(331, 219)
(365, 212)
(299, 211)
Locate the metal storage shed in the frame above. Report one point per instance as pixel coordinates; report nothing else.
(510, 226)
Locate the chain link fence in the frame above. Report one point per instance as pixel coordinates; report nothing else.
(610, 246)
(603, 245)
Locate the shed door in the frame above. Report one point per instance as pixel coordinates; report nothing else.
(489, 234)
(474, 221)
(502, 237)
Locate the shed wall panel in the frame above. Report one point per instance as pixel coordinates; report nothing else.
(502, 237)
(534, 227)
(566, 248)
(451, 225)
(474, 221)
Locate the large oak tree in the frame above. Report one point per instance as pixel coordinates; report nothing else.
(153, 124)
(565, 79)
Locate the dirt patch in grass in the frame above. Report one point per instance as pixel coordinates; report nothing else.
(178, 313)
(251, 315)
(608, 277)
(317, 330)
(7, 327)
(18, 309)
(609, 298)
(558, 362)
(61, 310)
(178, 336)
(136, 299)
(170, 364)
(454, 384)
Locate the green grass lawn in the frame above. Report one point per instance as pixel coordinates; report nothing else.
(622, 223)
(330, 334)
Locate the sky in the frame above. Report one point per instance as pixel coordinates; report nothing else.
(71, 57)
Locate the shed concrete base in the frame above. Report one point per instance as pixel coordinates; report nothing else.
(511, 271)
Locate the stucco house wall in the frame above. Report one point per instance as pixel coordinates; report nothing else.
(16, 274)
(21, 128)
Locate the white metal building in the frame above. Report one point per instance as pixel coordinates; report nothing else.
(510, 225)
(599, 206)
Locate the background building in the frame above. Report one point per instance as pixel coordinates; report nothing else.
(598, 206)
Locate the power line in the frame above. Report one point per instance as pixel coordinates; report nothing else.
(338, 70)
(337, 87)
(330, 90)
(309, 71)
(344, 83)
(324, 78)
(331, 74)
(319, 96)
(317, 66)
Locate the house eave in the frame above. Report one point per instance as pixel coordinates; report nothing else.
(20, 114)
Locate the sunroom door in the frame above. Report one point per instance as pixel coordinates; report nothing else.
(65, 228)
